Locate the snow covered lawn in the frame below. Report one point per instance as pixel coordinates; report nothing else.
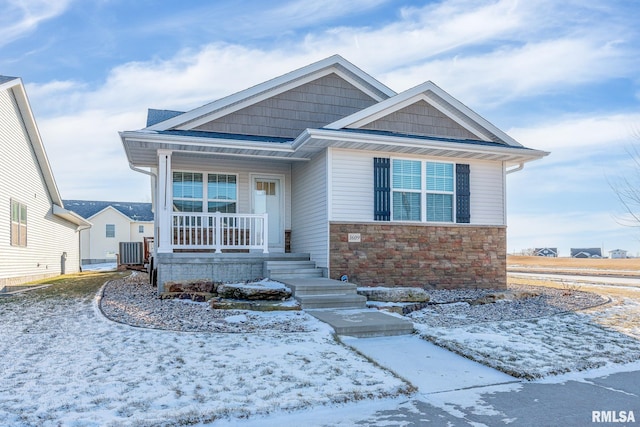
(63, 363)
(535, 348)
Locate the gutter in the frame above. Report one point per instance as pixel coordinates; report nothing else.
(516, 169)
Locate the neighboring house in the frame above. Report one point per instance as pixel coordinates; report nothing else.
(113, 222)
(38, 237)
(617, 254)
(548, 252)
(586, 253)
(388, 189)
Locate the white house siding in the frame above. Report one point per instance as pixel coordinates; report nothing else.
(100, 247)
(310, 232)
(48, 237)
(244, 169)
(352, 187)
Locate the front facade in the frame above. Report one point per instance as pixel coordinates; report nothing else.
(389, 189)
(586, 253)
(618, 254)
(39, 238)
(113, 222)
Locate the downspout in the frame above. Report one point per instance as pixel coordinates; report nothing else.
(516, 169)
(142, 171)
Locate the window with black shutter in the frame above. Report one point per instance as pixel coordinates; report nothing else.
(463, 194)
(381, 189)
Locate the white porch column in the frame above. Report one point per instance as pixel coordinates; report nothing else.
(164, 199)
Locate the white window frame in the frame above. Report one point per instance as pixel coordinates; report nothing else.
(423, 191)
(205, 188)
(106, 231)
(21, 227)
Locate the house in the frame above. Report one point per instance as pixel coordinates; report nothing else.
(618, 254)
(386, 188)
(39, 238)
(113, 222)
(586, 253)
(548, 252)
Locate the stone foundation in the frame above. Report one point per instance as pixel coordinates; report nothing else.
(420, 255)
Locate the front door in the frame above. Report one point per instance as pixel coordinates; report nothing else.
(267, 198)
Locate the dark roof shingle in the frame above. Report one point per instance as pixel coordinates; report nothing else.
(88, 208)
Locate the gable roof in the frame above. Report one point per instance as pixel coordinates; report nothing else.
(210, 131)
(334, 64)
(433, 95)
(133, 210)
(16, 88)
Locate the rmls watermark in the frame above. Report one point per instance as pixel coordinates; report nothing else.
(613, 417)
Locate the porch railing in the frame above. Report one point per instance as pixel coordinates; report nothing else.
(220, 231)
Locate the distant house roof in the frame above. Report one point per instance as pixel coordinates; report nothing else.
(88, 208)
(545, 251)
(585, 252)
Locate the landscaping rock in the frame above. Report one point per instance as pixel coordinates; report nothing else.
(203, 285)
(254, 292)
(219, 304)
(400, 294)
(193, 296)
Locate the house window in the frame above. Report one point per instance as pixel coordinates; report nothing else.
(110, 230)
(422, 191)
(187, 192)
(198, 192)
(141, 229)
(406, 184)
(439, 185)
(18, 224)
(221, 193)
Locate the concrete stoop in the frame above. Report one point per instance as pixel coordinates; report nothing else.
(338, 304)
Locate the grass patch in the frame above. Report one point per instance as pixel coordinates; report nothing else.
(79, 285)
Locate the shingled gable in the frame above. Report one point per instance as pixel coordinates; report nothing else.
(355, 81)
(425, 101)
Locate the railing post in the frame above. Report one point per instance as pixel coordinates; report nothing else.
(217, 230)
(265, 234)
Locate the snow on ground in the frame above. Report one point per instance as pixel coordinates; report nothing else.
(63, 363)
(106, 266)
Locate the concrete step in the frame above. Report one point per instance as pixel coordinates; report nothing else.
(364, 323)
(282, 275)
(289, 264)
(318, 286)
(308, 302)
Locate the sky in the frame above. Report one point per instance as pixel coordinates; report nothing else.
(557, 76)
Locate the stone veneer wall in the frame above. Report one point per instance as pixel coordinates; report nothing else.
(427, 256)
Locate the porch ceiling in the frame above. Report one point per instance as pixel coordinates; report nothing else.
(141, 147)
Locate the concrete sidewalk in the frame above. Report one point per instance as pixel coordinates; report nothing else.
(430, 368)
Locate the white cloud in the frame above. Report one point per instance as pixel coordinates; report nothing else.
(19, 17)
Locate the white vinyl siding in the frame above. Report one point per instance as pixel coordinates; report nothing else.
(352, 186)
(49, 236)
(310, 225)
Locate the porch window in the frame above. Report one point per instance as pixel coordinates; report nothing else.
(187, 192)
(221, 193)
(201, 192)
(18, 224)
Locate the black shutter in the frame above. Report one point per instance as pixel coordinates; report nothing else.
(381, 189)
(463, 194)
